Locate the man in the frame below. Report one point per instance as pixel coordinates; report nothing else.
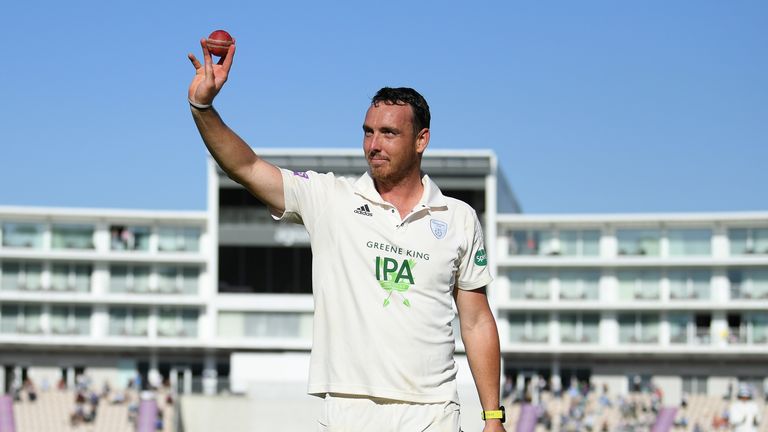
(744, 414)
(390, 256)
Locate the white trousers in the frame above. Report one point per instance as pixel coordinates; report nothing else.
(351, 413)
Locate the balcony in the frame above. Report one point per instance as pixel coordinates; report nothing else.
(703, 336)
(737, 336)
(71, 330)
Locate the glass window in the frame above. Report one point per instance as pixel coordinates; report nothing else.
(695, 385)
(569, 328)
(638, 242)
(759, 327)
(118, 321)
(190, 280)
(516, 324)
(20, 319)
(131, 279)
(685, 242)
(529, 284)
(21, 276)
(128, 321)
(10, 276)
(71, 277)
(272, 325)
(167, 279)
(174, 322)
(638, 284)
(748, 240)
(649, 328)
(282, 270)
(678, 328)
(737, 329)
(627, 328)
(638, 328)
(129, 238)
(579, 328)
(703, 328)
(531, 242)
(82, 320)
(10, 318)
(579, 285)
(590, 324)
(179, 239)
(287, 325)
(689, 284)
(23, 235)
(580, 242)
(528, 327)
(72, 237)
(749, 284)
(177, 280)
(70, 320)
(539, 327)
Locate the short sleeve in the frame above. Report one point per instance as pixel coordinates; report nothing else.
(306, 195)
(473, 267)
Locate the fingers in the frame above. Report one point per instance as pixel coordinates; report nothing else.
(194, 60)
(207, 59)
(227, 59)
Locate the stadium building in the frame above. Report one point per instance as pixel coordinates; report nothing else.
(221, 300)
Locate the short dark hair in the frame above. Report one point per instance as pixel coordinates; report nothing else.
(406, 96)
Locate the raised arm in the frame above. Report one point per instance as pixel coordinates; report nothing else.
(481, 340)
(232, 153)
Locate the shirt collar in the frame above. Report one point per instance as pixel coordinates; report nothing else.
(432, 196)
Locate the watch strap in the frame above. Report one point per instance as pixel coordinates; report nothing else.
(495, 414)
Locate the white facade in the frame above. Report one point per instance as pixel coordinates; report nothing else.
(108, 291)
(677, 299)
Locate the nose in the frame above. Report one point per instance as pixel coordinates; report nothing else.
(373, 142)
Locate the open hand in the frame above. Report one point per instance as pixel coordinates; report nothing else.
(209, 78)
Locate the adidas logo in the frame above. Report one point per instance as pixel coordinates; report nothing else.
(364, 210)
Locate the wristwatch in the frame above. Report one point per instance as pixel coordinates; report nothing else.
(495, 414)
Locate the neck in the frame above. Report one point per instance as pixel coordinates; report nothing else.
(403, 194)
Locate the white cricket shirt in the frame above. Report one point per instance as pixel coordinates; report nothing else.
(383, 286)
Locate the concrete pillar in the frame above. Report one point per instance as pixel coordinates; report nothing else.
(71, 377)
(719, 329)
(556, 382)
(17, 376)
(187, 381)
(520, 385)
(153, 375)
(210, 374)
(174, 380)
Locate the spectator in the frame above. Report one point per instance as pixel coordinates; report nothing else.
(29, 387)
(744, 415)
(508, 388)
(557, 386)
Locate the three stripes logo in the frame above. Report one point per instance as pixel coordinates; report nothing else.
(364, 210)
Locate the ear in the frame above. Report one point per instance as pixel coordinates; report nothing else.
(422, 141)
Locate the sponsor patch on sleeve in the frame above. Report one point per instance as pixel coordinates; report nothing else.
(480, 258)
(302, 174)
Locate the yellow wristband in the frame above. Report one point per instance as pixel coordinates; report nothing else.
(495, 414)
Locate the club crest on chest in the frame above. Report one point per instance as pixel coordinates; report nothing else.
(439, 228)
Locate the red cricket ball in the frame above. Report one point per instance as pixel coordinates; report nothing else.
(218, 42)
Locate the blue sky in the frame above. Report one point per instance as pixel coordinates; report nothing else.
(591, 106)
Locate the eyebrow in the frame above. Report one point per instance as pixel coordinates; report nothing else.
(384, 129)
